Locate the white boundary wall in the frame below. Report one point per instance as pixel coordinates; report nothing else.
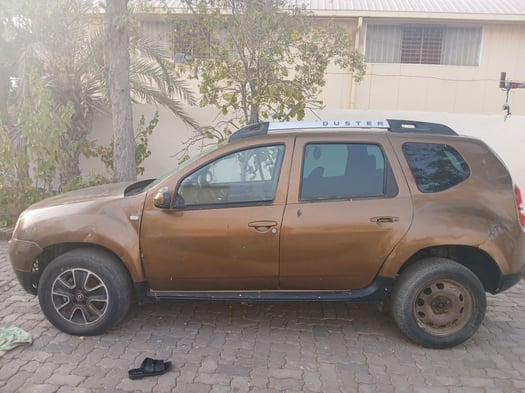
(507, 138)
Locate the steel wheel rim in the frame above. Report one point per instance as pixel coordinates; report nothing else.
(443, 307)
(80, 296)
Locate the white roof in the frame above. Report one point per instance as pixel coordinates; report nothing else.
(419, 6)
(336, 7)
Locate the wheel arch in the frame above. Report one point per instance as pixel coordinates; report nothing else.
(51, 252)
(84, 290)
(473, 258)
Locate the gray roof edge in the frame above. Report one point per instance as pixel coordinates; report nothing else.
(499, 8)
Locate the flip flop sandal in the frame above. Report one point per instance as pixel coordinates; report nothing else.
(149, 368)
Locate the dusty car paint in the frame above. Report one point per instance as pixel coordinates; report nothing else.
(486, 220)
(320, 245)
(98, 216)
(215, 248)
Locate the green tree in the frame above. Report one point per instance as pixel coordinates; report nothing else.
(264, 59)
(43, 122)
(64, 43)
(31, 148)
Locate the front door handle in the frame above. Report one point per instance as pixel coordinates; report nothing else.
(263, 225)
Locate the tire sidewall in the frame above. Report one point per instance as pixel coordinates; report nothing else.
(106, 268)
(415, 279)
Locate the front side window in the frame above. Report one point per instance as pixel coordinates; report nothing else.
(436, 167)
(246, 176)
(423, 44)
(343, 171)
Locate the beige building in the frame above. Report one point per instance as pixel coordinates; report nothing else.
(432, 60)
(421, 55)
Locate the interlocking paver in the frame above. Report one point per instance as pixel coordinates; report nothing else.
(68, 380)
(39, 388)
(221, 347)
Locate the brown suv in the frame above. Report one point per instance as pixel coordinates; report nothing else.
(399, 211)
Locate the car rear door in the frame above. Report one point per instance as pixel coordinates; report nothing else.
(348, 206)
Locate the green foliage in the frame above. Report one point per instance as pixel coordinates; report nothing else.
(94, 178)
(55, 50)
(142, 134)
(28, 152)
(43, 124)
(267, 60)
(10, 185)
(205, 136)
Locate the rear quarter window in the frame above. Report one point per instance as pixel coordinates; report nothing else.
(435, 167)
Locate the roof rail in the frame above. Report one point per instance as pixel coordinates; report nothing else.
(250, 130)
(419, 126)
(392, 125)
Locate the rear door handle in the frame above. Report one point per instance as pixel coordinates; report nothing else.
(263, 225)
(384, 219)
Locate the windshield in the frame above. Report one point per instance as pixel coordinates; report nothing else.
(205, 151)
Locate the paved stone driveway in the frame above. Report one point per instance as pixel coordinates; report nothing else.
(268, 347)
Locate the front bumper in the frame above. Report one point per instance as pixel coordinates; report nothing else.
(23, 255)
(509, 280)
(28, 280)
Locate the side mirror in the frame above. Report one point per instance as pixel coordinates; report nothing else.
(162, 198)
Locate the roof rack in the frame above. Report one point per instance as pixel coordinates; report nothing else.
(392, 125)
(419, 126)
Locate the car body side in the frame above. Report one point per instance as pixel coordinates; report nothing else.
(482, 233)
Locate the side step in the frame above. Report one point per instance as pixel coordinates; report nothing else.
(377, 291)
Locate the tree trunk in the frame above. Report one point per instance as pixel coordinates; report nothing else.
(69, 159)
(119, 91)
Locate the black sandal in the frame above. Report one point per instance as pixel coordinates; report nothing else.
(149, 368)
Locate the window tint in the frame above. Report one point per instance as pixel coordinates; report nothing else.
(435, 167)
(343, 170)
(245, 176)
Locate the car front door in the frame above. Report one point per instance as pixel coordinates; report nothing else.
(223, 232)
(345, 213)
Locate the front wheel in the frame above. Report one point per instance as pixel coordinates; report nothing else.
(85, 292)
(438, 303)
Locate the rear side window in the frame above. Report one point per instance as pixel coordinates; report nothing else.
(436, 167)
(344, 171)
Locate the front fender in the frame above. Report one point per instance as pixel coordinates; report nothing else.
(110, 224)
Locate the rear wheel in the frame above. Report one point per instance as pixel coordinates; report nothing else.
(85, 292)
(438, 303)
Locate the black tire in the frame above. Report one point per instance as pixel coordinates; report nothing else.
(438, 303)
(85, 292)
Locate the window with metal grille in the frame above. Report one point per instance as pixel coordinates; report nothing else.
(423, 44)
(189, 40)
(179, 38)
